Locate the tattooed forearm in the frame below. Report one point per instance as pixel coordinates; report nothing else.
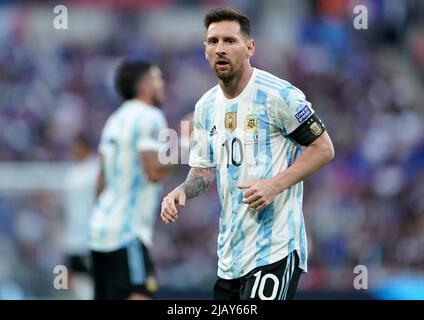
(198, 180)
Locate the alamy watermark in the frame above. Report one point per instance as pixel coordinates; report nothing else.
(60, 21)
(360, 282)
(60, 282)
(215, 147)
(360, 22)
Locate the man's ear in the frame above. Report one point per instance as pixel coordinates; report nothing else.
(250, 48)
(206, 56)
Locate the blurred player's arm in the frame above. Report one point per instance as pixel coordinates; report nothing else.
(150, 146)
(198, 180)
(100, 180)
(154, 170)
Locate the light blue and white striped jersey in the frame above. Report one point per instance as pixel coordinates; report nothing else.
(126, 208)
(246, 138)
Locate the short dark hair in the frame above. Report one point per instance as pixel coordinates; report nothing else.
(228, 14)
(128, 76)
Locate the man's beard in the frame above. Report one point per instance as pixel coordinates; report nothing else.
(225, 77)
(157, 102)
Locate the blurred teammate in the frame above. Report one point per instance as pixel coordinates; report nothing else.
(80, 184)
(129, 186)
(249, 131)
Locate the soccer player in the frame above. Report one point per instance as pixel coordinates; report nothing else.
(79, 200)
(129, 186)
(261, 138)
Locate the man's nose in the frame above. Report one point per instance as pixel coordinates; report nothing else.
(220, 50)
(220, 53)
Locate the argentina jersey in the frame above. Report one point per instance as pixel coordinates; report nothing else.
(246, 139)
(126, 208)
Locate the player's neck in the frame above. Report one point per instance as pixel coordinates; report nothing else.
(234, 87)
(146, 99)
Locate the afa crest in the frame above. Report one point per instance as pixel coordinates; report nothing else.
(316, 129)
(251, 124)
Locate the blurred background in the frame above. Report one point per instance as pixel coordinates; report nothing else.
(365, 208)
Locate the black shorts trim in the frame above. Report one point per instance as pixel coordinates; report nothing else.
(118, 274)
(276, 281)
(79, 263)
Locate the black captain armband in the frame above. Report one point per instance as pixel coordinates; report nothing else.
(308, 131)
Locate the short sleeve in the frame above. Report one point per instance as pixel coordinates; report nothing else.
(150, 127)
(291, 109)
(201, 152)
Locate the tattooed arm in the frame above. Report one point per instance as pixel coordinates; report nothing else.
(198, 180)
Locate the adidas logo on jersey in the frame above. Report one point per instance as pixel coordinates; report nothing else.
(213, 131)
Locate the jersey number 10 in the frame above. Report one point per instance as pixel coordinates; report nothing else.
(231, 153)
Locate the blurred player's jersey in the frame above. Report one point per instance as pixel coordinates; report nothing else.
(79, 184)
(246, 138)
(126, 209)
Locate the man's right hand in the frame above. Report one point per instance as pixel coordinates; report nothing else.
(169, 211)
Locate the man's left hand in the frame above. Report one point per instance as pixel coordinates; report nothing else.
(259, 193)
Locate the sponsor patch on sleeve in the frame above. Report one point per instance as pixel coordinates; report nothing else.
(303, 114)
